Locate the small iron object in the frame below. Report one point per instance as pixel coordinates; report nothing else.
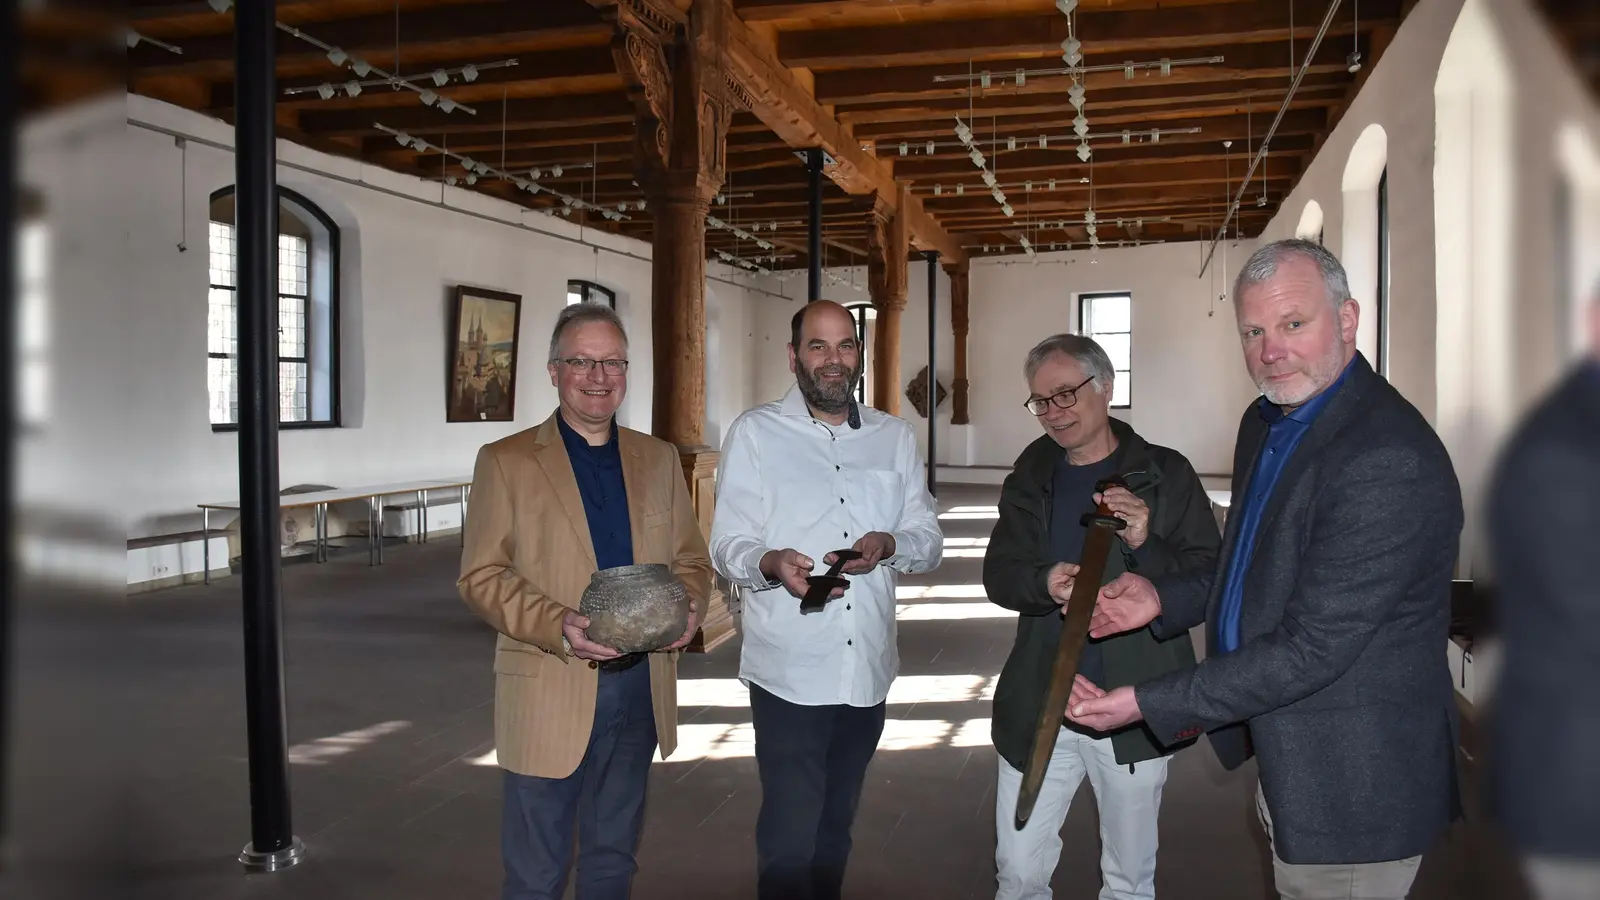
(822, 586)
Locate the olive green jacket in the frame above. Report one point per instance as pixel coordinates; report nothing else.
(1182, 536)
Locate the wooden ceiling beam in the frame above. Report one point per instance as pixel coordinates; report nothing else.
(572, 109)
(915, 83)
(484, 30)
(1259, 93)
(780, 100)
(1140, 33)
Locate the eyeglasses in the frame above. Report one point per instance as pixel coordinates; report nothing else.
(1063, 399)
(583, 366)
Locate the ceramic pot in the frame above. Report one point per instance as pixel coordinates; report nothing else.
(635, 609)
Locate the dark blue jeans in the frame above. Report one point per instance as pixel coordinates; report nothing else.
(813, 761)
(605, 796)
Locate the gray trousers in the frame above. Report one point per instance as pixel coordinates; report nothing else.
(1357, 881)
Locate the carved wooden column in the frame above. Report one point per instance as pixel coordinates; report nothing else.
(887, 249)
(958, 324)
(673, 65)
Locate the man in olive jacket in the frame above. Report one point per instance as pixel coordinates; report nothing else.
(1031, 561)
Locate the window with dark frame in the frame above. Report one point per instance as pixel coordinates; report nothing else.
(865, 315)
(1382, 300)
(1108, 319)
(589, 292)
(308, 260)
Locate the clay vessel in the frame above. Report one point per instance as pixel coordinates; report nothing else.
(635, 609)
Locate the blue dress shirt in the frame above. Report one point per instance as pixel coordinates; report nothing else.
(1283, 435)
(605, 496)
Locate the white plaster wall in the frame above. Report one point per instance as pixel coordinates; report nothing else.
(1189, 380)
(137, 318)
(1398, 95)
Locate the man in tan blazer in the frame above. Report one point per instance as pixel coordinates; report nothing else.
(576, 723)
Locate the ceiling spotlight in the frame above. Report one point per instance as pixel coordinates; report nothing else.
(1052, 184)
(1027, 186)
(1155, 136)
(1088, 216)
(361, 67)
(983, 80)
(353, 88)
(440, 79)
(1072, 51)
(472, 178)
(132, 38)
(1011, 143)
(1022, 78)
(1044, 142)
(1083, 151)
(976, 156)
(337, 57)
(1080, 126)
(220, 6)
(446, 104)
(722, 200)
(930, 148)
(1261, 200)
(1075, 94)
(535, 174)
(1352, 63)
(1066, 6)
(938, 190)
(469, 73)
(960, 189)
(555, 171)
(1006, 208)
(451, 181)
(903, 148)
(1127, 136)
(429, 98)
(325, 91)
(402, 139)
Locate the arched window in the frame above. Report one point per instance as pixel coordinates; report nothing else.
(33, 313)
(589, 292)
(1364, 240)
(866, 316)
(308, 314)
(1383, 274)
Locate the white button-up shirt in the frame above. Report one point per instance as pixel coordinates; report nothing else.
(788, 480)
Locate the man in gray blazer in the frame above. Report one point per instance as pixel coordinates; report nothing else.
(1328, 612)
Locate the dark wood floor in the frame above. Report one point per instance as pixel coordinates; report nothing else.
(130, 777)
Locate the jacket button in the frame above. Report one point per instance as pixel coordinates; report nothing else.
(593, 664)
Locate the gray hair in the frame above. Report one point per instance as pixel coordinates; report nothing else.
(1090, 356)
(576, 314)
(1263, 264)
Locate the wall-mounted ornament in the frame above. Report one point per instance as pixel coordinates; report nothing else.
(483, 355)
(917, 393)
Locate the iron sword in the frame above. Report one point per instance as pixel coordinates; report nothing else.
(1101, 527)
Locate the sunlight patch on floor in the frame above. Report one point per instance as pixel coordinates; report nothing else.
(943, 591)
(319, 751)
(906, 690)
(942, 612)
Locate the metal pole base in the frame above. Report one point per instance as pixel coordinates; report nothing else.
(272, 862)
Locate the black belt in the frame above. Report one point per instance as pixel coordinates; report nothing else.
(621, 663)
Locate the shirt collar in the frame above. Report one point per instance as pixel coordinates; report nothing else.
(1308, 411)
(794, 404)
(571, 437)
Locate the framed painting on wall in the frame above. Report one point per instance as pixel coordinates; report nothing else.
(483, 355)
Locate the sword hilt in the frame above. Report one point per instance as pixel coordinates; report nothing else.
(1103, 514)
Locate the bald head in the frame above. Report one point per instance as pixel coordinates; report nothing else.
(815, 313)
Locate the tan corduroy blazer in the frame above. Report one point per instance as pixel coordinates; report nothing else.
(528, 559)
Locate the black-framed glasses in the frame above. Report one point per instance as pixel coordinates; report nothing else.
(583, 366)
(1063, 399)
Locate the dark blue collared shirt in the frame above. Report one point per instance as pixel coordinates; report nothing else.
(605, 496)
(1283, 435)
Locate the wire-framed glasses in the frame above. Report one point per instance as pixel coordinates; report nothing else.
(583, 366)
(1063, 399)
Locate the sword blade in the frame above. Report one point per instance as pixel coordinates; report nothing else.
(1069, 651)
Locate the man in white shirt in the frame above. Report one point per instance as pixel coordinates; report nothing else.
(801, 478)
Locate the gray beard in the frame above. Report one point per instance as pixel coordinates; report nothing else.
(826, 398)
(1321, 378)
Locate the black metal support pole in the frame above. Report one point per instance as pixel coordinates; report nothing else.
(814, 231)
(9, 97)
(933, 369)
(272, 843)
